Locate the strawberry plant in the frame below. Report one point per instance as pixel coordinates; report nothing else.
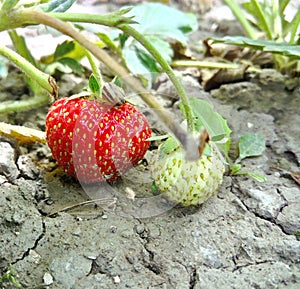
(270, 27)
(9, 279)
(96, 135)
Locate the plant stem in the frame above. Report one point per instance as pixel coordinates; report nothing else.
(277, 22)
(22, 49)
(204, 64)
(185, 138)
(44, 80)
(15, 18)
(113, 19)
(21, 105)
(240, 15)
(294, 27)
(262, 19)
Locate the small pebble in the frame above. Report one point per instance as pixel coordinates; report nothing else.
(48, 279)
(138, 267)
(77, 232)
(140, 229)
(113, 229)
(117, 279)
(49, 202)
(277, 174)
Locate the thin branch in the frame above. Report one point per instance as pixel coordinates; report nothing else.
(102, 201)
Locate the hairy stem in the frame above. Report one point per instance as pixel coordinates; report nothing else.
(21, 105)
(44, 80)
(113, 19)
(14, 18)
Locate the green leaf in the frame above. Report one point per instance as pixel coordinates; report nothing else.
(118, 81)
(57, 5)
(251, 144)
(63, 49)
(263, 45)
(282, 6)
(139, 60)
(107, 41)
(94, 85)
(8, 277)
(141, 63)
(154, 188)
(218, 137)
(163, 21)
(162, 46)
(73, 64)
(293, 28)
(207, 150)
(255, 176)
(147, 61)
(215, 124)
(57, 66)
(170, 145)
(160, 24)
(65, 65)
(235, 168)
(8, 4)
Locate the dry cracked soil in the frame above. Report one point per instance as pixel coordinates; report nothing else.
(243, 237)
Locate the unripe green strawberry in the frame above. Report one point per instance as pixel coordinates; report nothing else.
(96, 141)
(187, 182)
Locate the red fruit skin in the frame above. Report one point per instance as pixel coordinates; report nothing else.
(94, 141)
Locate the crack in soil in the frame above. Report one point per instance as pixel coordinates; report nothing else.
(143, 234)
(95, 268)
(238, 267)
(286, 204)
(193, 278)
(273, 220)
(151, 264)
(256, 214)
(38, 239)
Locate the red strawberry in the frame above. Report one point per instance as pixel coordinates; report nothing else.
(96, 141)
